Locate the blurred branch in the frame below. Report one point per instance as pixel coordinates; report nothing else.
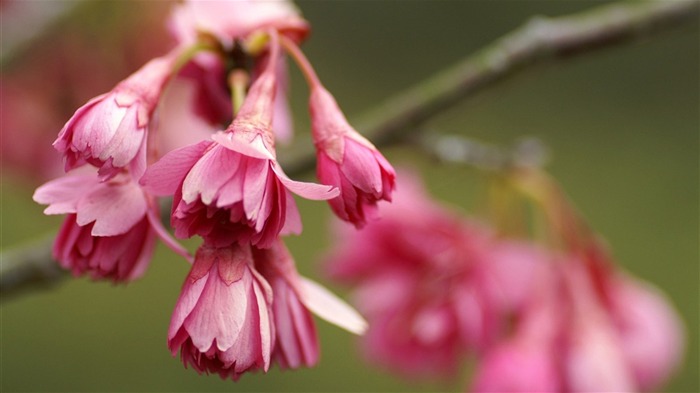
(526, 152)
(539, 41)
(29, 267)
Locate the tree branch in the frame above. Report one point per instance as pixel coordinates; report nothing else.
(539, 41)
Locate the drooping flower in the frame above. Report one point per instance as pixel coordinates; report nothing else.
(222, 322)
(433, 287)
(585, 330)
(110, 130)
(233, 189)
(528, 360)
(517, 366)
(651, 332)
(107, 233)
(297, 340)
(347, 160)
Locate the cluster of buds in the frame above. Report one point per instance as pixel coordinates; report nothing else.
(438, 289)
(199, 124)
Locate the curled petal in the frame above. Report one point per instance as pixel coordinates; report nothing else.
(329, 307)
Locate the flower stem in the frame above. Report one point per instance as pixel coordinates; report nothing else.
(301, 60)
(238, 81)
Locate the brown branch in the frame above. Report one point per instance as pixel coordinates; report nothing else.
(539, 41)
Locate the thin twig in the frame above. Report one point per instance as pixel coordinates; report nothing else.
(539, 41)
(29, 267)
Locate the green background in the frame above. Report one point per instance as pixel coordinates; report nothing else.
(622, 125)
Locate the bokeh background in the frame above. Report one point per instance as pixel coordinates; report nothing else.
(622, 126)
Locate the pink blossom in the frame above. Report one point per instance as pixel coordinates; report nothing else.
(297, 341)
(121, 258)
(110, 130)
(231, 19)
(222, 322)
(593, 359)
(651, 332)
(348, 161)
(586, 328)
(107, 233)
(529, 360)
(233, 189)
(517, 367)
(430, 284)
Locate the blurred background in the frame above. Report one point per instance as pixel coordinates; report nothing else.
(622, 126)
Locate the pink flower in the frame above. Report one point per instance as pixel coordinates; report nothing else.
(120, 258)
(297, 341)
(348, 161)
(517, 367)
(651, 332)
(110, 130)
(528, 360)
(231, 19)
(586, 328)
(107, 233)
(433, 287)
(222, 322)
(233, 189)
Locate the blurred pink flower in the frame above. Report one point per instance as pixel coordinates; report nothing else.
(231, 19)
(517, 367)
(222, 322)
(110, 130)
(528, 360)
(297, 341)
(348, 161)
(28, 120)
(593, 358)
(432, 286)
(585, 328)
(650, 330)
(107, 233)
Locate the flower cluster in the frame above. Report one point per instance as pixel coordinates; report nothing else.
(199, 125)
(437, 289)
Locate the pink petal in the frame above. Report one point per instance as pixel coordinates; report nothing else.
(266, 338)
(361, 167)
(312, 191)
(191, 291)
(292, 220)
(115, 209)
(254, 186)
(329, 307)
(165, 176)
(62, 194)
(220, 313)
(232, 191)
(65, 137)
(232, 141)
(97, 125)
(126, 141)
(270, 199)
(651, 332)
(209, 174)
